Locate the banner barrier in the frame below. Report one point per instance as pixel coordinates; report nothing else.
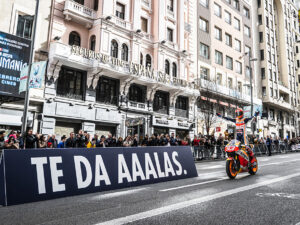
(35, 175)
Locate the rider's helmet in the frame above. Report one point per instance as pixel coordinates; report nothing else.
(239, 113)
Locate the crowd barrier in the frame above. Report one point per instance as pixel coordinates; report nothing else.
(218, 152)
(41, 174)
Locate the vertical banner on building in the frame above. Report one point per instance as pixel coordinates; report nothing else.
(14, 56)
(37, 76)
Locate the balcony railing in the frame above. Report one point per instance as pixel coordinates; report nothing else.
(162, 109)
(137, 105)
(79, 9)
(181, 113)
(121, 23)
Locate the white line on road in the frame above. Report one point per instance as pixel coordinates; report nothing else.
(117, 194)
(191, 185)
(185, 204)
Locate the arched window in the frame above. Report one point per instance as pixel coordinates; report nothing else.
(148, 61)
(141, 59)
(114, 49)
(124, 52)
(167, 67)
(174, 69)
(74, 38)
(93, 43)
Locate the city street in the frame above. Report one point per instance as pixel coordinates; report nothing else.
(270, 197)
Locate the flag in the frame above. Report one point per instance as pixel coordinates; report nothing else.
(37, 76)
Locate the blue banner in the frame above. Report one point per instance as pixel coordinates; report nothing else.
(35, 175)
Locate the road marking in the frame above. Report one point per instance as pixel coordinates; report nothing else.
(277, 163)
(280, 195)
(191, 185)
(185, 204)
(116, 194)
(211, 167)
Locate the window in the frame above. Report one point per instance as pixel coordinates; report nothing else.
(219, 79)
(148, 61)
(246, 12)
(218, 33)
(182, 103)
(120, 10)
(174, 69)
(228, 1)
(71, 83)
(228, 39)
(259, 19)
(167, 67)
(203, 25)
(24, 27)
(247, 71)
(170, 34)
(229, 63)
(227, 17)
(204, 3)
(161, 102)
(240, 87)
(218, 57)
(141, 59)
(74, 38)
(238, 45)
(236, 24)
(263, 73)
(170, 5)
(258, 3)
(80, 2)
(93, 43)
(264, 91)
(238, 67)
(96, 5)
(204, 73)
(124, 52)
(271, 92)
(144, 24)
(230, 84)
(247, 31)
(267, 21)
(261, 37)
(204, 51)
(114, 49)
(248, 50)
(107, 90)
(236, 4)
(137, 93)
(262, 55)
(217, 10)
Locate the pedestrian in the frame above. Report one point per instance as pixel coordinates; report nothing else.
(12, 142)
(53, 141)
(30, 140)
(91, 144)
(128, 141)
(71, 141)
(42, 142)
(268, 143)
(20, 139)
(119, 142)
(2, 140)
(145, 140)
(62, 142)
(81, 140)
(103, 143)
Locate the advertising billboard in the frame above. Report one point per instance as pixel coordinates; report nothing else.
(14, 56)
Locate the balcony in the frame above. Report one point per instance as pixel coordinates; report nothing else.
(121, 23)
(161, 110)
(137, 106)
(79, 13)
(181, 113)
(283, 88)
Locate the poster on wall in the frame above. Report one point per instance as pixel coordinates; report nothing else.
(14, 56)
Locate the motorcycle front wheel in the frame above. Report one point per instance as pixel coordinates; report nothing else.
(230, 170)
(253, 168)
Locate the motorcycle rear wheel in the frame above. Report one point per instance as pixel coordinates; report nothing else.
(231, 172)
(253, 170)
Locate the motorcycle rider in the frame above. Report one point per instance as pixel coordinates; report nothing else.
(240, 123)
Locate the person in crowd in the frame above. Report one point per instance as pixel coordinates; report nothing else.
(173, 140)
(20, 139)
(12, 142)
(120, 142)
(81, 140)
(53, 141)
(220, 140)
(62, 142)
(195, 141)
(128, 141)
(91, 144)
(103, 143)
(71, 141)
(31, 140)
(269, 143)
(178, 140)
(111, 140)
(96, 136)
(186, 141)
(135, 141)
(145, 140)
(42, 142)
(2, 139)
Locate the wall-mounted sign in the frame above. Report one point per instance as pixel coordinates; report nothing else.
(14, 56)
(134, 68)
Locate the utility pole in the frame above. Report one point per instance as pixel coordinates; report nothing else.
(26, 103)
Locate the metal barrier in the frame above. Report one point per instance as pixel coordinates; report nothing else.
(218, 152)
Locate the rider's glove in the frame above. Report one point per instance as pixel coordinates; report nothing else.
(219, 115)
(256, 113)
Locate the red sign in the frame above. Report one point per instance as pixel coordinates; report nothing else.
(218, 129)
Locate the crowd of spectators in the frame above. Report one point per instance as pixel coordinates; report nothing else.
(14, 140)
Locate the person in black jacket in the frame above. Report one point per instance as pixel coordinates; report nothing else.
(30, 140)
(71, 141)
(80, 140)
(2, 140)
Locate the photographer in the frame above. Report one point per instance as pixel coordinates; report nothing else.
(12, 142)
(30, 140)
(80, 140)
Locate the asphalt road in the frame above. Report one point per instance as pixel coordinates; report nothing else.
(270, 197)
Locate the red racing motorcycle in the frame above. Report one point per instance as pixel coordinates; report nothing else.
(238, 160)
